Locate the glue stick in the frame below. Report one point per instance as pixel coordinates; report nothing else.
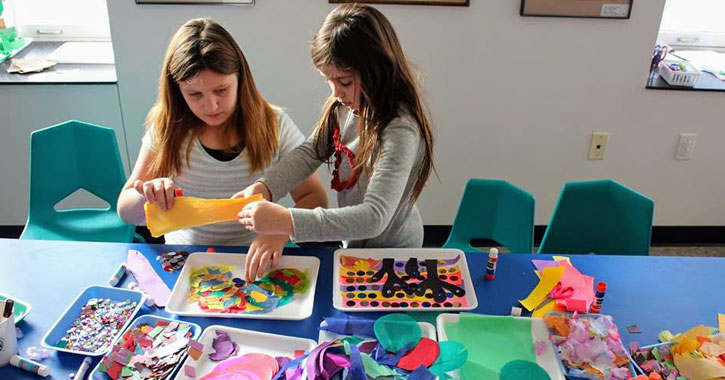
(491, 266)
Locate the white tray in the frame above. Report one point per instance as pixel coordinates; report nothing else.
(426, 330)
(250, 342)
(299, 308)
(547, 360)
(399, 254)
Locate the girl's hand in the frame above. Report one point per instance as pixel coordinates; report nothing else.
(158, 191)
(266, 218)
(255, 188)
(264, 254)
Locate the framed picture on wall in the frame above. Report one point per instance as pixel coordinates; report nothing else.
(577, 8)
(411, 2)
(244, 2)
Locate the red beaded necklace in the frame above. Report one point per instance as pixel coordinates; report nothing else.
(341, 148)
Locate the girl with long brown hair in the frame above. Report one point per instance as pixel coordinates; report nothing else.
(212, 134)
(375, 133)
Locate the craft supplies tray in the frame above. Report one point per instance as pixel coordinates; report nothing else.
(648, 347)
(298, 307)
(686, 74)
(60, 327)
(396, 280)
(21, 308)
(152, 320)
(249, 342)
(546, 359)
(566, 369)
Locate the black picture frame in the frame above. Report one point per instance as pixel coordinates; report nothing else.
(463, 3)
(198, 2)
(606, 9)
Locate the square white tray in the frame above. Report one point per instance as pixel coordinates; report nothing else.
(399, 254)
(299, 308)
(547, 360)
(250, 342)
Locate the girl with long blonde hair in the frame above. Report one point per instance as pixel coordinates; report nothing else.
(212, 134)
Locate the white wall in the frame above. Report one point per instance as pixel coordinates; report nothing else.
(511, 97)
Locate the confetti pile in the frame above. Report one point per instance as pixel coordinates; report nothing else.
(216, 290)
(172, 261)
(589, 346)
(147, 352)
(97, 325)
(698, 353)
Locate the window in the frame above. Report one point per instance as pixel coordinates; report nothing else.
(693, 23)
(61, 20)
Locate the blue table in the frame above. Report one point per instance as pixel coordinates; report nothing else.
(654, 293)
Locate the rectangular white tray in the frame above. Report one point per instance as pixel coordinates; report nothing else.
(250, 342)
(400, 254)
(299, 308)
(547, 360)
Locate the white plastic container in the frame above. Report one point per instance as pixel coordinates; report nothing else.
(685, 78)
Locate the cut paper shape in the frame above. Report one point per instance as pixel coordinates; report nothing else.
(541, 264)
(549, 278)
(349, 325)
(395, 331)
(224, 347)
(520, 369)
(562, 258)
(580, 288)
(452, 356)
(424, 354)
(189, 371)
(147, 278)
(192, 212)
(506, 338)
(721, 322)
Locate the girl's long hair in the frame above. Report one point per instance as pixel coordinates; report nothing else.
(360, 38)
(202, 44)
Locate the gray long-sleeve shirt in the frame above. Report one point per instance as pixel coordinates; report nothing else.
(376, 211)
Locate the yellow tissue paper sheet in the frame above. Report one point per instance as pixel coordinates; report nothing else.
(549, 278)
(721, 322)
(191, 212)
(547, 307)
(699, 368)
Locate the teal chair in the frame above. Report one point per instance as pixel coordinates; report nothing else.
(67, 157)
(601, 217)
(496, 210)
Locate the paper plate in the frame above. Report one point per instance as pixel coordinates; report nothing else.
(547, 360)
(249, 342)
(151, 320)
(64, 322)
(20, 309)
(299, 308)
(355, 289)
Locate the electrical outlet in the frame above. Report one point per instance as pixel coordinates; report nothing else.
(598, 145)
(685, 146)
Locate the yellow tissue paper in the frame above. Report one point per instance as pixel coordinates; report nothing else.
(549, 278)
(699, 368)
(721, 322)
(550, 305)
(192, 212)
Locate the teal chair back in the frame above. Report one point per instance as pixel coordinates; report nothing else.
(63, 159)
(601, 217)
(496, 210)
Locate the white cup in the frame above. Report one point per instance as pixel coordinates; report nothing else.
(8, 340)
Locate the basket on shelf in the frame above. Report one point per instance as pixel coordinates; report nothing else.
(679, 73)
